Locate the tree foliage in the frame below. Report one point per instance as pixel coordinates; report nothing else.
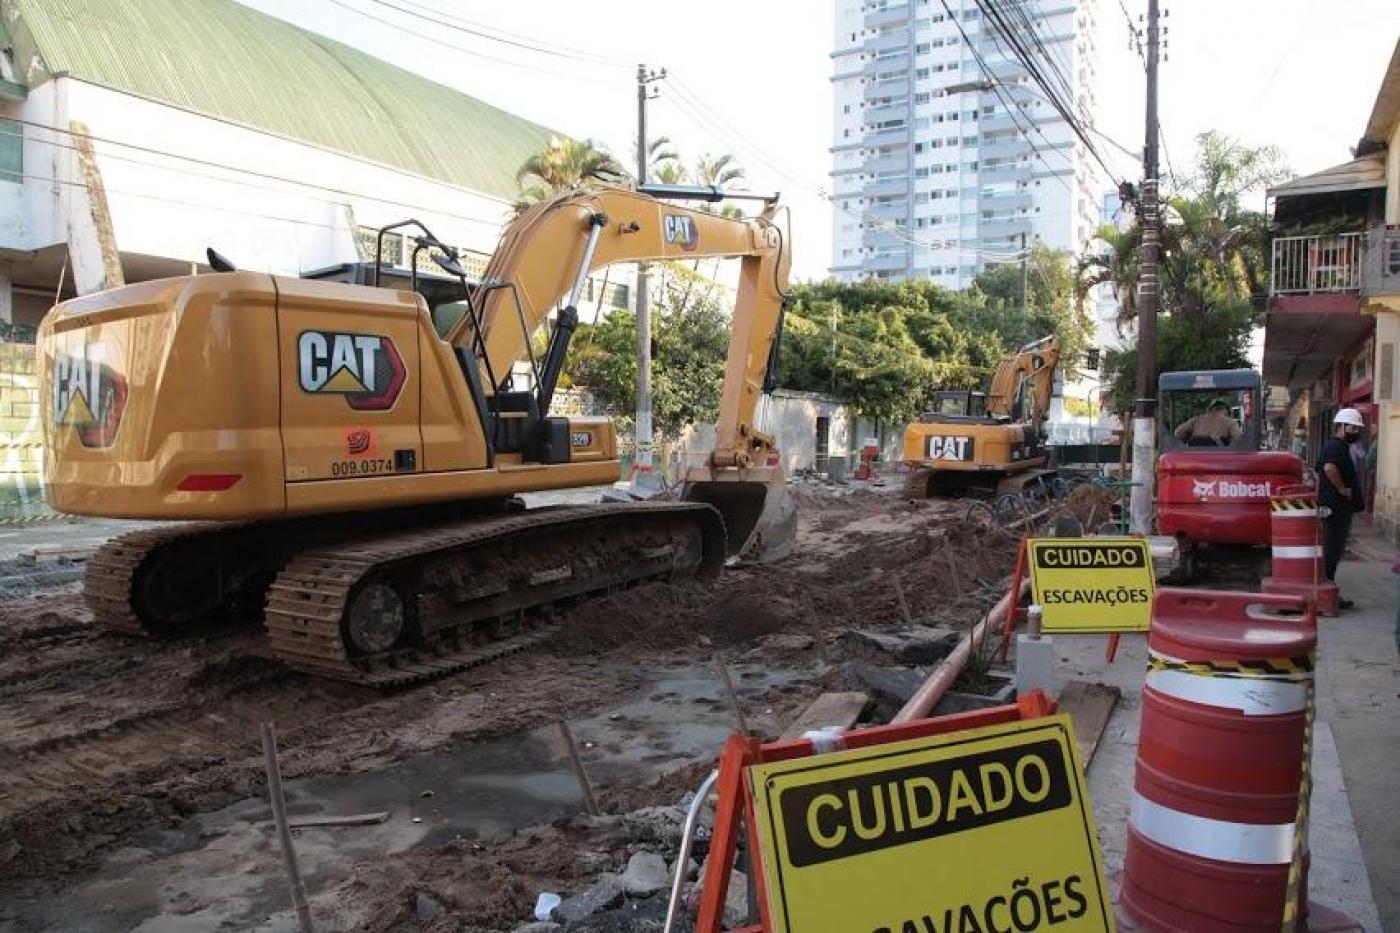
(561, 165)
(1213, 268)
(887, 346)
(690, 336)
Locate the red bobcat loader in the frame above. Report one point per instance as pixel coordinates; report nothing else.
(1213, 490)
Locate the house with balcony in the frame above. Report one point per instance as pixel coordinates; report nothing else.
(1333, 322)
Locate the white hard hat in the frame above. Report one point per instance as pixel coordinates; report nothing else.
(1349, 416)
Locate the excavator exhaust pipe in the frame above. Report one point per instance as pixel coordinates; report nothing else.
(760, 518)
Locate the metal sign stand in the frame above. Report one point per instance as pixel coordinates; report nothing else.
(735, 809)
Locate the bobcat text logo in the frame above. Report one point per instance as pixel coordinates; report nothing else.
(1230, 489)
(365, 368)
(681, 231)
(89, 395)
(949, 448)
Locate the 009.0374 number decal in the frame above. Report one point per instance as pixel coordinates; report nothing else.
(362, 467)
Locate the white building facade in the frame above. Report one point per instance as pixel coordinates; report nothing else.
(116, 166)
(946, 155)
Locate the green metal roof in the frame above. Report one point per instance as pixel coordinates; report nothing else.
(228, 61)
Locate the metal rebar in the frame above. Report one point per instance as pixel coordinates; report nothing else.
(284, 832)
(731, 696)
(589, 803)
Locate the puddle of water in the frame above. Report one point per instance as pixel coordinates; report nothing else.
(478, 789)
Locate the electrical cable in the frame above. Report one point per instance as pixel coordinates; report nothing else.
(231, 168)
(996, 88)
(992, 12)
(574, 75)
(482, 32)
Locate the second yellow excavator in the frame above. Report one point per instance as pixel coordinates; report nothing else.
(356, 468)
(972, 442)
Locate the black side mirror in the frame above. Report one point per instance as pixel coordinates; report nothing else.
(219, 263)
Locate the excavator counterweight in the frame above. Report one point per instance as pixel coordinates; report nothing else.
(344, 464)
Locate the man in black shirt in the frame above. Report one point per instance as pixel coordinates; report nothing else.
(1340, 489)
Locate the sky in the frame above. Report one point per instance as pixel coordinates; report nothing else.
(752, 77)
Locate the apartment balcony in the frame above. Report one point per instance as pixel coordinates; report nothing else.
(890, 210)
(1316, 265)
(886, 112)
(1013, 171)
(877, 187)
(882, 239)
(895, 88)
(886, 262)
(1314, 317)
(1011, 148)
(884, 15)
(887, 41)
(886, 137)
(886, 163)
(1004, 200)
(1003, 227)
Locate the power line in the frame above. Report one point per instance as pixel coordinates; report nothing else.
(233, 168)
(996, 88)
(468, 27)
(991, 11)
(575, 75)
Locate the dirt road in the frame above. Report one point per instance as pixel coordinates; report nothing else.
(108, 740)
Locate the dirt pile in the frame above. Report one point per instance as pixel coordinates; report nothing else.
(106, 738)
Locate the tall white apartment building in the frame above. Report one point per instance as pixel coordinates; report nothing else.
(947, 156)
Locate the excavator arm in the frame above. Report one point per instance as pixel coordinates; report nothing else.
(548, 252)
(543, 262)
(1027, 376)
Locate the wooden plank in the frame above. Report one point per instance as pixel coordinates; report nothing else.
(1088, 706)
(351, 819)
(830, 709)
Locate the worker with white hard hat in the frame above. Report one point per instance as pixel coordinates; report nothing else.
(1339, 488)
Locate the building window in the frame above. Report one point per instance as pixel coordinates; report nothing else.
(922, 48)
(922, 97)
(11, 151)
(918, 148)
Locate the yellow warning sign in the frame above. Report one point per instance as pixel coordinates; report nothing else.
(987, 829)
(1092, 585)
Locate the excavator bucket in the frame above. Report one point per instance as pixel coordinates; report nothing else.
(760, 518)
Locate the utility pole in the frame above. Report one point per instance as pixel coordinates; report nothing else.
(1144, 424)
(1025, 266)
(642, 466)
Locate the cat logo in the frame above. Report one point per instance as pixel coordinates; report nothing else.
(582, 439)
(681, 231)
(365, 368)
(949, 448)
(89, 394)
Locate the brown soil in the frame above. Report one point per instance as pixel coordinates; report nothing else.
(106, 737)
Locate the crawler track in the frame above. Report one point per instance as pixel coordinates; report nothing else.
(475, 590)
(468, 588)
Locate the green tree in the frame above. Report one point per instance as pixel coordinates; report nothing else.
(690, 336)
(1213, 272)
(561, 165)
(1050, 306)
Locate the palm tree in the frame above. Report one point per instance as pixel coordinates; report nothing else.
(720, 171)
(562, 165)
(663, 160)
(1115, 264)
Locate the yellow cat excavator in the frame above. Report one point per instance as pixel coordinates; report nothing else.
(970, 442)
(355, 452)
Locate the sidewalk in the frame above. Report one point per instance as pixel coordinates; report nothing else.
(1355, 838)
(1358, 679)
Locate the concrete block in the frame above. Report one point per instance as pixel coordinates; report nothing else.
(1035, 664)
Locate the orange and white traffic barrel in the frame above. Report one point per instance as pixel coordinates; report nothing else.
(1212, 823)
(1296, 531)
